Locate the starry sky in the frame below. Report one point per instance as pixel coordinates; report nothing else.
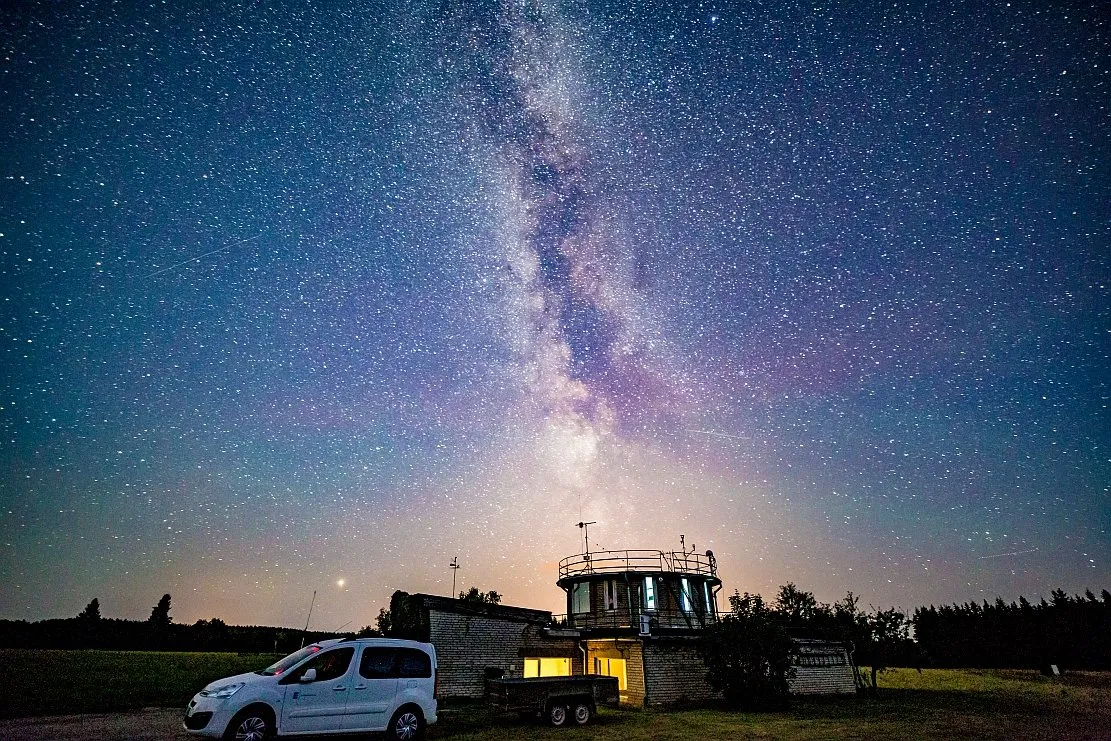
(318, 298)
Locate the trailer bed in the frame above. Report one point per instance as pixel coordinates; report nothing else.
(557, 699)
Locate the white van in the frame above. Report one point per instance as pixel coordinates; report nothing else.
(338, 686)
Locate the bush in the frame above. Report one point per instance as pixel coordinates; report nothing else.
(748, 655)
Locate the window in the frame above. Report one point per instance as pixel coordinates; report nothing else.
(709, 598)
(386, 663)
(580, 597)
(329, 664)
(611, 594)
(685, 596)
(557, 667)
(291, 660)
(377, 663)
(613, 668)
(649, 593)
(413, 663)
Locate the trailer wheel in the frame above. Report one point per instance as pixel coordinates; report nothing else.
(582, 713)
(557, 715)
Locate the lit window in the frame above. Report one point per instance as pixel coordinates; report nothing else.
(580, 597)
(685, 596)
(547, 668)
(709, 598)
(649, 593)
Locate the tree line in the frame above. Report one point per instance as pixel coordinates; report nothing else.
(157, 633)
(750, 653)
(1070, 632)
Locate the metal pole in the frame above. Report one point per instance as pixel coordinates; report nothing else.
(304, 632)
(454, 570)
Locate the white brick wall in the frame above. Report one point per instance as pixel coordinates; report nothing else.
(467, 644)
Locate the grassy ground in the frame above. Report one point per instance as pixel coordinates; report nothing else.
(932, 704)
(57, 682)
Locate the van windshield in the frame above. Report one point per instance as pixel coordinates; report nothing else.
(292, 660)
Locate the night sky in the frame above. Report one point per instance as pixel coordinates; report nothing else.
(301, 299)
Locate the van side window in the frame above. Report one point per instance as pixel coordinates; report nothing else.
(413, 663)
(329, 664)
(377, 663)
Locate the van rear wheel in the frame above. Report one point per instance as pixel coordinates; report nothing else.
(407, 725)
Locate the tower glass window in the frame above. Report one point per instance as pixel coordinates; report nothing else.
(580, 597)
(649, 593)
(611, 594)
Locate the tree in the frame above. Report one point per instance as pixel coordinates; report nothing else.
(480, 598)
(382, 625)
(91, 613)
(748, 655)
(384, 621)
(796, 606)
(160, 614)
(88, 629)
(889, 633)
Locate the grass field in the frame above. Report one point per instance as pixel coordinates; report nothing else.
(932, 704)
(57, 682)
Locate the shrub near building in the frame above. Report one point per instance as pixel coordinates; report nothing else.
(749, 655)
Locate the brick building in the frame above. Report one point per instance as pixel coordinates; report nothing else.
(635, 615)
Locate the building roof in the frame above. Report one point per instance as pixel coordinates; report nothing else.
(502, 612)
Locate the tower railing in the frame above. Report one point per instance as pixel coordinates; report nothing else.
(608, 562)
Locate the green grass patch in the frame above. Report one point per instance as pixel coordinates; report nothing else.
(933, 704)
(58, 682)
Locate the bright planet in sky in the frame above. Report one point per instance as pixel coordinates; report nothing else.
(288, 290)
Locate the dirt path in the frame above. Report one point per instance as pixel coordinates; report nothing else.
(149, 724)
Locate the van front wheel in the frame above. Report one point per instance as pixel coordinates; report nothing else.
(252, 724)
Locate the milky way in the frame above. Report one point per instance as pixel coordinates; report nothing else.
(319, 299)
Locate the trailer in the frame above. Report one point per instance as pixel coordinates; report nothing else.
(557, 700)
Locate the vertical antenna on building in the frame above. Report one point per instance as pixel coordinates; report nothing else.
(585, 527)
(454, 566)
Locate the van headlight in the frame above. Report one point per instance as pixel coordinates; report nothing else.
(222, 693)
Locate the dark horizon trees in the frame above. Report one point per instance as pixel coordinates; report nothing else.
(157, 633)
(1070, 632)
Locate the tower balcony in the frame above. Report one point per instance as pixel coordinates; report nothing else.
(639, 591)
(639, 561)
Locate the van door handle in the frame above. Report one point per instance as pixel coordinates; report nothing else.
(339, 689)
(360, 686)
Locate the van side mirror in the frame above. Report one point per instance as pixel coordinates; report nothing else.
(309, 676)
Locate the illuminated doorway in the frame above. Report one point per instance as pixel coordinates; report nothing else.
(614, 668)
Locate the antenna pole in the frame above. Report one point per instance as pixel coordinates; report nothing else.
(454, 566)
(305, 632)
(585, 527)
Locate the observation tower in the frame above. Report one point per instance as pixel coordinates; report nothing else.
(640, 592)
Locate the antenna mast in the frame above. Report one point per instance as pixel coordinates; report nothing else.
(585, 527)
(454, 566)
(305, 632)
